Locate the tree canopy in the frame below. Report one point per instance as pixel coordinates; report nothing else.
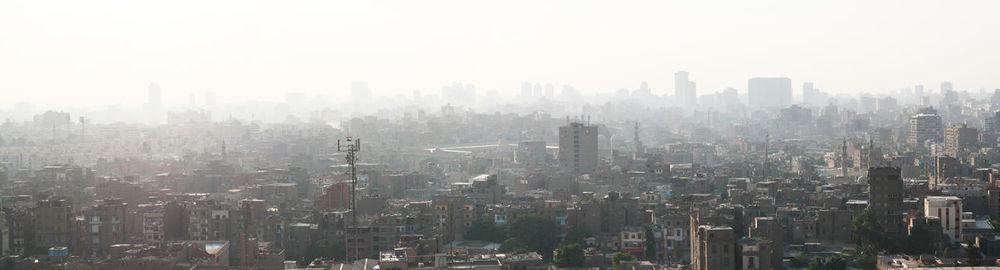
(837, 262)
(571, 255)
(867, 231)
(534, 233)
(578, 235)
(486, 230)
(972, 255)
(621, 256)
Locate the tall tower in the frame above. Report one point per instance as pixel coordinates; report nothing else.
(843, 158)
(684, 90)
(639, 149)
(885, 197)
(578, 147)
(763, 165)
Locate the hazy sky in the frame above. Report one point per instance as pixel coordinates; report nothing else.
(107, 52)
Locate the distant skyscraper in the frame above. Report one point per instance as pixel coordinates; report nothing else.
(360, 91)
(550, 90)
(154, 95)
(769, 92)
(459, 93)
(685, 92)
(526, 89)
(946, 87)
(809, 94)
(925, 125)
(918, 90)
(958, 138)
(538, 90)
(578, 147)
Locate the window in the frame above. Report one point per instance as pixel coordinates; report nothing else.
(95, 228)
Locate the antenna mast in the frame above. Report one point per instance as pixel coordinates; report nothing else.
(352, 146)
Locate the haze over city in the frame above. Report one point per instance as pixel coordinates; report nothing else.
(506, 135)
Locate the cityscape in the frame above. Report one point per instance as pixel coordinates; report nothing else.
(773, 171)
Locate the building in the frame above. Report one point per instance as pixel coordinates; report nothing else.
(948, 209)
(944, 167)
(531, 154)
(810, 94)
(104, 226)
(769, 92)
(885, 197)
(578, 147)
(685, 92)
(960, 138)
(924, 126)
(713, 248)
(754, 253)
(54, 219)
(770, 229)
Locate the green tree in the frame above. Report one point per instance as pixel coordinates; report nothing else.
(800, 261)
(863, 261)
(867, 232)
(620, 257)
(535, 233)
(569, 256)
(837, 262)
(919, 241)
(972, 255)
(512, 244)
(578, 235)
(485, 230)
(650, 243)
(324, 249)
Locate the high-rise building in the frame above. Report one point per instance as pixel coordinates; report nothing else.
(958, 138)
(924, 126)
(713, 248)
(991, 125)
(918, 90)
(769, 92)
(685, 91)
(946, 87)
(578, 147)
(948, 209)
(810, 94)
(885, 197)
(525, 89)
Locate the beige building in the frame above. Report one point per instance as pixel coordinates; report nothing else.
(578, 147)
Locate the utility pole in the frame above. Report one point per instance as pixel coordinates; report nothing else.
(352, 147)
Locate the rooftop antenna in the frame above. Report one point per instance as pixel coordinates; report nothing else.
(352, 146)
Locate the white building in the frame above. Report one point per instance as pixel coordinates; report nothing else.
(949, 210)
